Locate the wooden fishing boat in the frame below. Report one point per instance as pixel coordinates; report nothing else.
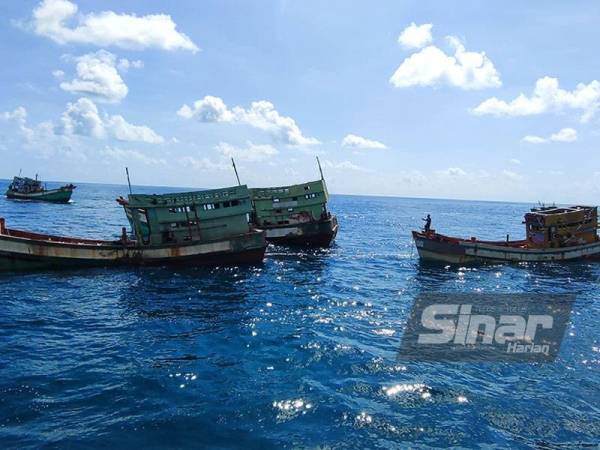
(192, 228)
(552, 234)
(295, 214)
(22, 188)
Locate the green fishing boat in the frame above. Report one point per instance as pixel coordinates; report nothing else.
(23, 188)
(192, 228)
(295, 214)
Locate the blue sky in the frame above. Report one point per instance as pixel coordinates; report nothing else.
(397, 98)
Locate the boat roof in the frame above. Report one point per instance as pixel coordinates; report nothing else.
(290, 190)
(188, 198)
(554, 210)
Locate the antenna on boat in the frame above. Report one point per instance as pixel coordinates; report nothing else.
(320, 169)
(236, 172)
(128, 180)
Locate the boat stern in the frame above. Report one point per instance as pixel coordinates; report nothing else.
(433, 247)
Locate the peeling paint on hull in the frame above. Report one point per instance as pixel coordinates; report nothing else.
(18, 253)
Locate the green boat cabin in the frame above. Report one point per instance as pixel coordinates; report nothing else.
(199, 216)
(288, 205)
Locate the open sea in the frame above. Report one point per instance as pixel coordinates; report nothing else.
(298, 352)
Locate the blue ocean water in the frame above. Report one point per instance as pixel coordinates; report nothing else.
(295, 353)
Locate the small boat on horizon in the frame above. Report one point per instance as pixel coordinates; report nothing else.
(552, 234)
(192, 228)
(23, 188)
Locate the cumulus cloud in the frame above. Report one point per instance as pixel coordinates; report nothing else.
(202, 163)
(563, 135)
(354, 141)
(345, 166)
(19, 117)
(128, 155)
(83, 118)
(416, 36)
(209, 109)
(261, 115)
(432, 67)
(97, 77)
(107, 28)
(547, 97)
(252, 152)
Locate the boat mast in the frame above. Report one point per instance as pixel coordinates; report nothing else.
(236, 172)
(320, 169)
(128, 180)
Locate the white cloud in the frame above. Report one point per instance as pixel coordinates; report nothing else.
(453, 172)
(547, 97)
(345, 166)
(261, 115)
(534, 140)
(83, 118)
(203, 164)
(122, 130)
(416, 36)
(126, 155)
(58, 73)
(97, 76)
(354, 141)
(432, 67)
(107, 28)
(515, 161)
(511, 176)
(19, 116)
(209, 109)
(563, 135)
(252, 152)
(124, 64)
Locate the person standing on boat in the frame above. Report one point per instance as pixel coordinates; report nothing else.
(427, 221)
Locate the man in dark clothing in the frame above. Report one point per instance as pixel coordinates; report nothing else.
(427, 221)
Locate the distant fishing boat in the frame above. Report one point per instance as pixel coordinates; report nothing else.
(23, 188)
(552, 234)
(192, 228)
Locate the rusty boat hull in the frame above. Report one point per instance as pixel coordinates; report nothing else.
(319, 233)
(434, 247)
(22, 251)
